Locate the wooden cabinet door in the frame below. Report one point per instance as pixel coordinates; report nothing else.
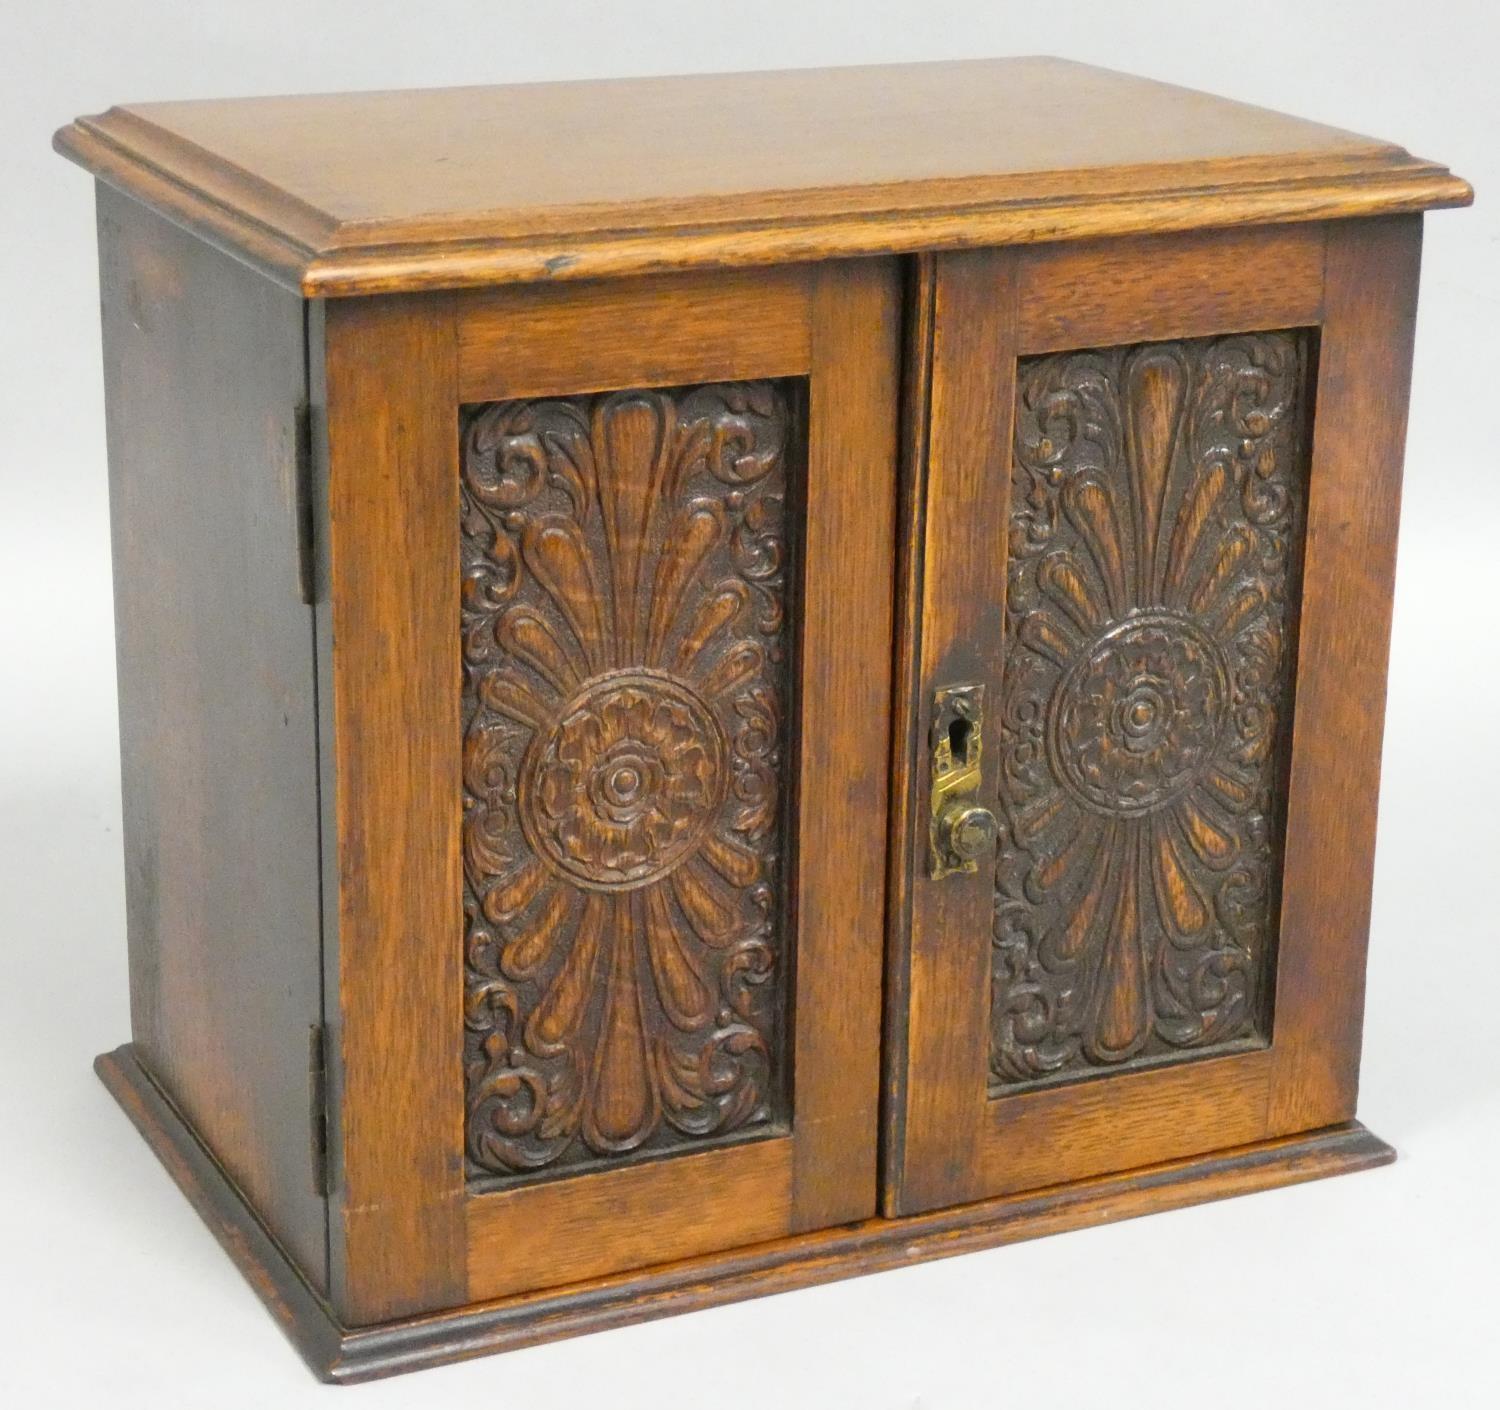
(1152, 551)
(607, 634)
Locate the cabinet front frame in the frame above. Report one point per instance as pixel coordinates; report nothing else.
(390, 376)
(974, 315)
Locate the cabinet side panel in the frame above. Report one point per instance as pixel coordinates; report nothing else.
(204, 373)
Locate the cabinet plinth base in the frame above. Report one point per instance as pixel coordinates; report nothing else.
(343, 1354)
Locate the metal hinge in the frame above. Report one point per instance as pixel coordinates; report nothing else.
(306, 565)
(317, 1083)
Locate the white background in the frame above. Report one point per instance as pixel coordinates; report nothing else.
(1376, 1289)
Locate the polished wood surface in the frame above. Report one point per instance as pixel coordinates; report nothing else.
(843, 738)
(942, 978)
(950, 1139)
(387, 629)
(204, 376)
(376, 192)
(628, 560)
(394, 373)
(646, 332)
(346, 1355)
(565, 1231)
(1359, 438)
(1158, 504)
(536, 675)
(1108, 293)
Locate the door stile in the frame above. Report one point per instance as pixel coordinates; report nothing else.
(1364, 378)
(937, 1064)
(390, 756)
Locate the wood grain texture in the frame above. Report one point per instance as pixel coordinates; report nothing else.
(844, 738)
(589, 807)
(1359, 436)
(1051, 1135)
(1306, 1078)
(204, 375)
(1112, 292)
(346, 1355)
(842, 487)
(938, 1077)
(387, 628)
(408, 1231)
(370, 193)
(540, 340)
(281, 1281)
(908, 762)
(1158, 498)
(613, 1219)
(627, 694)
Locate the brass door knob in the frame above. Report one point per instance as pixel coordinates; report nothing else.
(965, 831)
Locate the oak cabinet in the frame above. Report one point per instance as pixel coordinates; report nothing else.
(710, 706)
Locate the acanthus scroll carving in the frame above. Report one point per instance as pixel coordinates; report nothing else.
(1156, 514)
(625, 692)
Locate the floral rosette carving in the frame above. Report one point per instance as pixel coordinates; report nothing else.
(1157, 496)
(624, 697)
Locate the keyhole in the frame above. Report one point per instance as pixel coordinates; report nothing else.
(959, 730)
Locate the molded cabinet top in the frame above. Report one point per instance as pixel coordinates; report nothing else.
(444, 188)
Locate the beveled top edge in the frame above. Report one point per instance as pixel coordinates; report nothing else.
(327, 247)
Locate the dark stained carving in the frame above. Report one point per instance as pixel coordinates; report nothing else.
(625, 693)
(1155, 535)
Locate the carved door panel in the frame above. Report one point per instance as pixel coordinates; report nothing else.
(627, 688)
(640, 1019)
(1133, 537)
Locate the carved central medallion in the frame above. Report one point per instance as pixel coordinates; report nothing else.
(1138, 714)
(622, 787)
